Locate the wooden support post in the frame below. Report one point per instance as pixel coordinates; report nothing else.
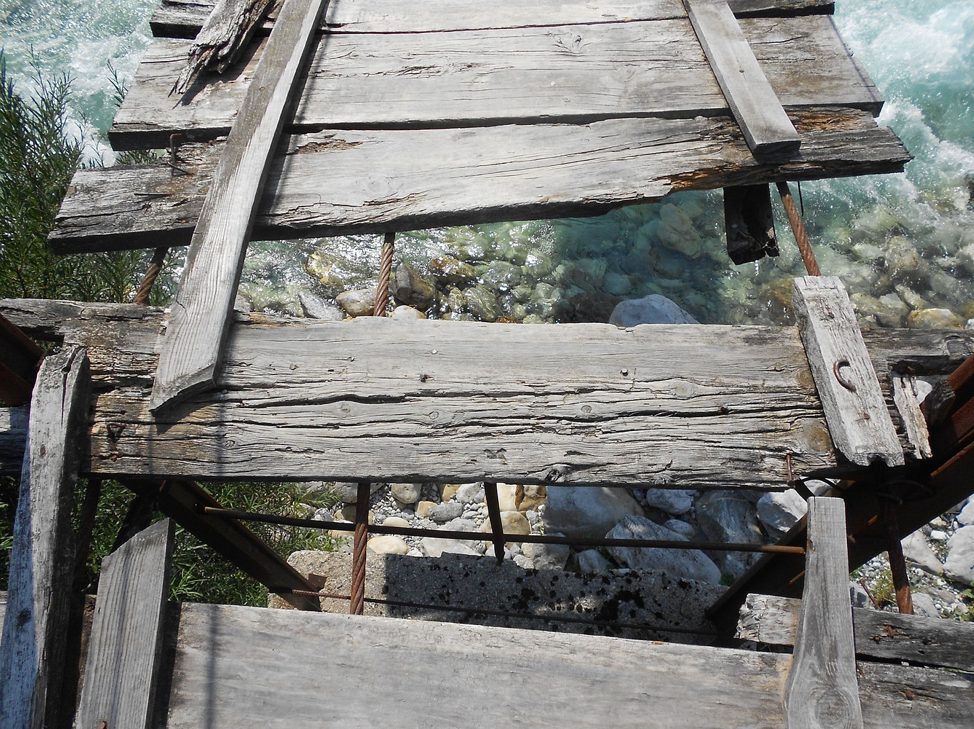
(200, 317)
(185, 501)
(494, 515)
(855, 408)
(35, 625)
(822, 691)
(749, 223)
(126, 636)
(19, 358)
(751, 99)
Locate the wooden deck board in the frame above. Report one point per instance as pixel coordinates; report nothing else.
(184, 18)
(571, 73)
(251, 667)
(382, 180)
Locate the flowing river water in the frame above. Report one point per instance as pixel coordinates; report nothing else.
(903, 244)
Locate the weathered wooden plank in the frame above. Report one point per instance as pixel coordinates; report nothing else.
(479, 78)
(200, 318)
(381, 181)
(752, 101)
(879, 635)
(851, 395)
(35, 623)
(184, 18)
(122, 670)
(13, 438)
(908, 406)
(225, 33)
(822, 691)
(268, 670)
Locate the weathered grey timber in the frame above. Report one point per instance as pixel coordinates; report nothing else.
(226, 32)
(914, 423)
(822, 691)
(200, 318)
(879, 635)
(751, 99)
(572, 73)
(858, 419)
(526, 398)
(13, 438)
(32, 648)
(122, 670)
(239, 666)
(381, 181)
(184, 18)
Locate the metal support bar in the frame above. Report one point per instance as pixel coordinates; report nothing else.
(794, 550)
(359, 550)
(494, 515)
(897, 563)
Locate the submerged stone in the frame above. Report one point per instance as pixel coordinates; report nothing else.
(652, 309)
(411, 288)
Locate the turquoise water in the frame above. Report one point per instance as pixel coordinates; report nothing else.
(903, 243)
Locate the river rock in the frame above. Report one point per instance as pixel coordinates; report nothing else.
(388, 544)
(966, 515)
(616, 284)
(507, 496)
(547, 556)
(395, 521)
(924, 606)
(348, 492)
(916, 549)
(933, 319)
(512, 522)
(317, 308)
(727, 516)
(959, 565)
(448, 490)
(779, 511)
(445, 512)
(673, 501)
(407, 312)
(470, 493)
(357, 302)
(452, 271)
(349, 512)
(436, 546)
(481, 302)
(591, 561)
(408, 286)
(587, 511)
(689, 563)
(902, 258)
(680, 527)
(652, 309)
(407, 493)
(529, 498)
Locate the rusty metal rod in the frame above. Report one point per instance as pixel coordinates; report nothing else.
(385, 272)
(357, 604)
(521, 538)
(897, 563)
(798, 228)
(151, 274)
(501, 613)
(494, 516)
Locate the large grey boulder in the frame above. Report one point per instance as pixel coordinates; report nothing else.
(587, 511)
(673, 501)
(959, 565)
(916, 549)
(779, 511)
(652, 309)
(689, 563)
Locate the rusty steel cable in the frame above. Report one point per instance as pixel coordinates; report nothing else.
(151, 274)
(356, 605)
(798, 228)
(385, 272)
(518, 538)
(500, 613)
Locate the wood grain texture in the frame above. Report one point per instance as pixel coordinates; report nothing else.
(851, 394)
(225, 33)
(382, 181)
(914, 423)
(879, 635)
(752, 101)
(35, 624)
(822, 691)
(122, 670)
(184, 18)
(13, 438)
(200, 319)
(250, 667)
(559, 74)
